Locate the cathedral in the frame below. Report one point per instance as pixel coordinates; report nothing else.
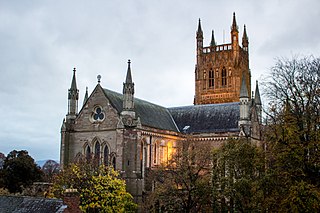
(134, 135)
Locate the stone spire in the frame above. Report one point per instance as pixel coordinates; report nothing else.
(85, 96)
(245, 40)
(244, 102)
(199, 31)
(73, 96)
(128, 90)
(73, 82)
(213, 42)
(258, 103)
(244, 89)
(257, 99)
(234, 26)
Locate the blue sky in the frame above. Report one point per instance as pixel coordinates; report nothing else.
(41, 42)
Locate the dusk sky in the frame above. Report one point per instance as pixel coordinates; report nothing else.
(42, 41)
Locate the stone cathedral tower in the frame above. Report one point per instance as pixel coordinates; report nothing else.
(220, 68)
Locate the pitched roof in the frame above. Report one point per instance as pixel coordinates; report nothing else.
(150, 114)
(19, 204)
(210, 118)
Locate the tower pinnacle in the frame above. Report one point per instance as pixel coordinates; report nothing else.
(243, 89)
(73, 96)
(129, 77)
(213, 42)
(73, 82)
(199, 31)
(257, 98)
(128, 90)
(245, 40)
(234, 26)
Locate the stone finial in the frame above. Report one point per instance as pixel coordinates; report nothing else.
(99, 79)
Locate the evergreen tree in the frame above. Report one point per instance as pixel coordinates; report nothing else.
(20, 171)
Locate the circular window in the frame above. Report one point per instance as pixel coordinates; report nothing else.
(98, 115)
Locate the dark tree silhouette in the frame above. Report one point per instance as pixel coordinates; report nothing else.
(20, 171)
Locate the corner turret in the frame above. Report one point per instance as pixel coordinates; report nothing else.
(128, 114)
(128, 91)
(244, 101)
(199, 39)
(245, 40)
(235, 38)
(244, 121)
(213, 42)
(73, 96)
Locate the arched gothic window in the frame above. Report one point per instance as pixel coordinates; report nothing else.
(97, 151)
(155, 154)
(106, 155)
(224, 77)
(114, 162)
(141, 158)
(88, 153)
(211, 79)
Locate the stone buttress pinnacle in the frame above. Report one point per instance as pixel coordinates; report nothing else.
(257, 98)
(243, 89)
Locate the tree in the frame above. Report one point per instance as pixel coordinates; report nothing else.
(50, 168)
(183, 183)
(237, 176)
(100, 188)
(293, 134)
(20, 171)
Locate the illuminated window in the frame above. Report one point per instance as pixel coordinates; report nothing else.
(155, 154)
(224, 77)
(211, 79)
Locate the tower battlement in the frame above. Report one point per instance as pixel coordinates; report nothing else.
(220, 68)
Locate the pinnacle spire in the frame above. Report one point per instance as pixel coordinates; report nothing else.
(199, 31)
(245, 33)
(85, 96)
(128, 91)
(243, 89)
(129, 77)
(234, 26)
(245, 39)
(73, 96)
(73, 82)
(213, 42)
(257, 98)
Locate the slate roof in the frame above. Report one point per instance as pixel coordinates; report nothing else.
(15, 204)
(150, 114)
(209, 118)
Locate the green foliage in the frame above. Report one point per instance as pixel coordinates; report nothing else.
(20, 171)
(237, 176)
(100, 188)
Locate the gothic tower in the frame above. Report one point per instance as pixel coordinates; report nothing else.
(219, 68)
